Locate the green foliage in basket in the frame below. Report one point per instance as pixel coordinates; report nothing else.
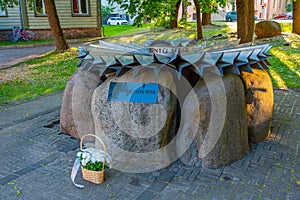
(91, 162)
(97, 166)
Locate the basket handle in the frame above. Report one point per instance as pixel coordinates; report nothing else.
(104, 147)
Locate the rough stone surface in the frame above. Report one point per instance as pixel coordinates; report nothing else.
(222, 133)
(66, 114)
(136, 127)
(84, 86)
(266, 29)
(40, 165)
(260, 103)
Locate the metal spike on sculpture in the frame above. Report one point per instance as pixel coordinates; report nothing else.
(177, 54)
(155, 99)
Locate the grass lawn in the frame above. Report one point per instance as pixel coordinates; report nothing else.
(8, 43)
(110, 31)
(38, 77)
(51, 72)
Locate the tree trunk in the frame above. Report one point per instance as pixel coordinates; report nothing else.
(174, 15)
(24, 15)
(99, 18)
(206, 18)
(245, 20)
(59, 39)
(296, 17)
(199, 25)
(184, 12)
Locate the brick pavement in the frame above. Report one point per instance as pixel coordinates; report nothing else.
(36, 162)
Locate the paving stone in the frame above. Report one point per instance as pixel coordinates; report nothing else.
(202, 190)
(166, 175)
(172, 191)
(8, 179)
(194, 174)
(45, 161)
(147, 195)
(157, 186)
(24, 171)
(42, 163)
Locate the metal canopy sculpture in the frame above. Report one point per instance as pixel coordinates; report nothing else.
(177, 54)
(232, 111)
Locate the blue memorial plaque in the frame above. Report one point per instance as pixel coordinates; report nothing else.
(133, 92)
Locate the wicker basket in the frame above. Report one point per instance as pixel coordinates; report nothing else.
(96, 177)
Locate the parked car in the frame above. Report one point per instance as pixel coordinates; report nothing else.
(116, 21)
(289, 15)
(284, 16)
(231, 16)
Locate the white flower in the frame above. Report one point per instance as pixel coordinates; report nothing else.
(84, 155)
(93, 160)
(87, 159)
(99, 156)
(83, 162)
(79, 154)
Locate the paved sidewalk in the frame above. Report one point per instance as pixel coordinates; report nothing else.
(12, 56)
(36, 162)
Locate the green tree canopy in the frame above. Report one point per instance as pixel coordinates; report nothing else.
(106, 10)
(160, 12)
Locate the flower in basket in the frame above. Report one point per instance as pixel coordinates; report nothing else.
(92, 160)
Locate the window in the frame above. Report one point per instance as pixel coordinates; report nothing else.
(40, 8)
(3, 11)
(80, 7)
(194, 16)
(274, 4)
(261, 2)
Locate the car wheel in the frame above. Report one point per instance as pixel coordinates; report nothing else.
(118, 23)
(229, 19)
(108, 23)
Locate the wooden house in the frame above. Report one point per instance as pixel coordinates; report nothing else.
(78, 18)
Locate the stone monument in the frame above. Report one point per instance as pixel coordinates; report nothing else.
(151, 103)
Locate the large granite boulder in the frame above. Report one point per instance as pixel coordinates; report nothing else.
(260, 103)
(222, 136)
(76, 116)
(84, 86)
(138, 135)
(266, 29)
(66, 113)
